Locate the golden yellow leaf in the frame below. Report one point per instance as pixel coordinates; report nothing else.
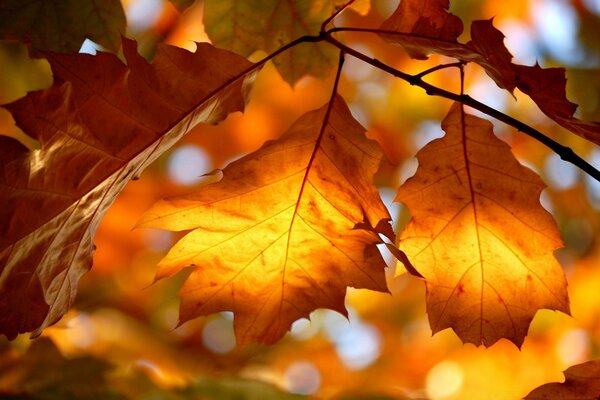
(285, 231)
(479, 235)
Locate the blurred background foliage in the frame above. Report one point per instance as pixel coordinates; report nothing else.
(121, 339)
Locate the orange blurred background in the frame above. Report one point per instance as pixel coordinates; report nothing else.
(121, 317)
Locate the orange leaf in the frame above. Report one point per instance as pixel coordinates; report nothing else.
(479, 235)
(99, 126)
(582, 383)
(285, 231)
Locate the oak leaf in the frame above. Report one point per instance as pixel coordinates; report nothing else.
(247, 26)
(582, 382)
(63, 25)
(479, 235)
(285, 231)
(99, 126)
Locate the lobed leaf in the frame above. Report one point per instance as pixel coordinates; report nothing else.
(285, 231)
(63, 25)
(99, 125)
(247, 26)
(479, 235)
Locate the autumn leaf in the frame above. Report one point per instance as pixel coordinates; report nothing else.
(547, 88)
(582, 382)
(99, 126)
(278, 236)
(63, 25)
(427, 27)
(479, 235)
(423, 28)
(247, 26)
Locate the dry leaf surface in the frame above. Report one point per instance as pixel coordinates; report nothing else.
(479, 235)
(286, 231)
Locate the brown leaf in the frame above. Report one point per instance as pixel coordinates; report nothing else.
(582, 382)
(479, 235)
(278, 236)
(425, 26)
(99, 125)
(547, 87)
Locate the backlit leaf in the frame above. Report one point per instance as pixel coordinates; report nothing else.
(479, 235)
(247, 26)
(279, 235)
(63, 25)
(99, 125)
(582, 382)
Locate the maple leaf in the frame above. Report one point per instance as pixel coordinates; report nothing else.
(278, 236)
(63, 25)
(479, 235)
(247, 26)
(99, 125)
(582, 382)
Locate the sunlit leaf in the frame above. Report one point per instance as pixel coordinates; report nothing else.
(279, 235)
(582, 382)
(247, 26)
(63, 25)
(99, 125)
(479, 235)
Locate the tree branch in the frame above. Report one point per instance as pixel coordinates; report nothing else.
(565, 153)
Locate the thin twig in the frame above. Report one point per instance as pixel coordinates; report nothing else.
(335, 14)
(438, 67)
(565, 153)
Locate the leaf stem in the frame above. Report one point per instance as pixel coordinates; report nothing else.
(438, 67)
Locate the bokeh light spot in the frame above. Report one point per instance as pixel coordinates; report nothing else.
(302, 377)
(573, 347)
(218, 335)
(561, 174)
(444, 380)
(187, 164)
(142, 14)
